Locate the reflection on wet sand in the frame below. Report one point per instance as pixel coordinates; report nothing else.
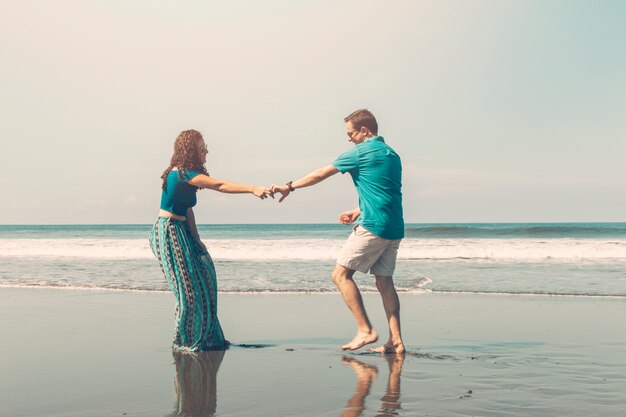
(196, 383)
(391, 400)
(366, 374)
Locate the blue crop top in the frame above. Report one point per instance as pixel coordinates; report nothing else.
(178, 196)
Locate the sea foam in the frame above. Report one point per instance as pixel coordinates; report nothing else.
(512, 250)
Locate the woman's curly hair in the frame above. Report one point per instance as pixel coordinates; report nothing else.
(186, 156)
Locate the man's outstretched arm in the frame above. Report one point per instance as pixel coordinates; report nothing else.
(313, 178)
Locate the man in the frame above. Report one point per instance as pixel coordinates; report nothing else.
(372, 247)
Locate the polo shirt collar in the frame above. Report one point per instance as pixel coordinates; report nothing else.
(375, 139)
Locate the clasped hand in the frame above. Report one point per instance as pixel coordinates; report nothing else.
(264, 192)
(282, 189)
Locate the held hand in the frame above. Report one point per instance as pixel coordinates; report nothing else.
(348, 217)
(283, 190)
(262, 192)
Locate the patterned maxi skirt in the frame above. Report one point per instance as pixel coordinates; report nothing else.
(190, 273)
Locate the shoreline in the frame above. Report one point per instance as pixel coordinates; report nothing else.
(423, 292)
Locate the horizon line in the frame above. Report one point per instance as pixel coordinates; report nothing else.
(316, 223)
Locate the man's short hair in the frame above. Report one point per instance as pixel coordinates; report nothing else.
(363, 117)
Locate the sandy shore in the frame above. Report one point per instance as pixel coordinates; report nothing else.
(106, 353)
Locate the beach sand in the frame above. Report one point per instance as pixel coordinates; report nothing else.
(106, 353)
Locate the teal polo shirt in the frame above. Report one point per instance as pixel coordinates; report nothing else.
(376, 171)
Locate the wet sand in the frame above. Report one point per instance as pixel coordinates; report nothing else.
(106, 353)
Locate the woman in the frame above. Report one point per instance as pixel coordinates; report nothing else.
(175, 242)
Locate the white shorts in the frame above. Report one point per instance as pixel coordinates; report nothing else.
(365, 252)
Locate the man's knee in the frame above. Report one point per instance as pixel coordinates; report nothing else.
(341, 273)
(384, 283)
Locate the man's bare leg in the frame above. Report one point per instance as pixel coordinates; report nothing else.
(391, 302)
(342, 277)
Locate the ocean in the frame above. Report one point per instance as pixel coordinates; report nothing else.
(568, 259)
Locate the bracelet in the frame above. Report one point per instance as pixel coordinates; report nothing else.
(290, 186)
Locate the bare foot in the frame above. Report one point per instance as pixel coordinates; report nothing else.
(390, 347)
(361, 339)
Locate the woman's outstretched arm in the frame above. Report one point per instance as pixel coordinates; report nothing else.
(224, 186)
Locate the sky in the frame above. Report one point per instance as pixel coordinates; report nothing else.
(501, 111)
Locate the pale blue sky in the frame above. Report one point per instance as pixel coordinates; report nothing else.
(501, 111)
